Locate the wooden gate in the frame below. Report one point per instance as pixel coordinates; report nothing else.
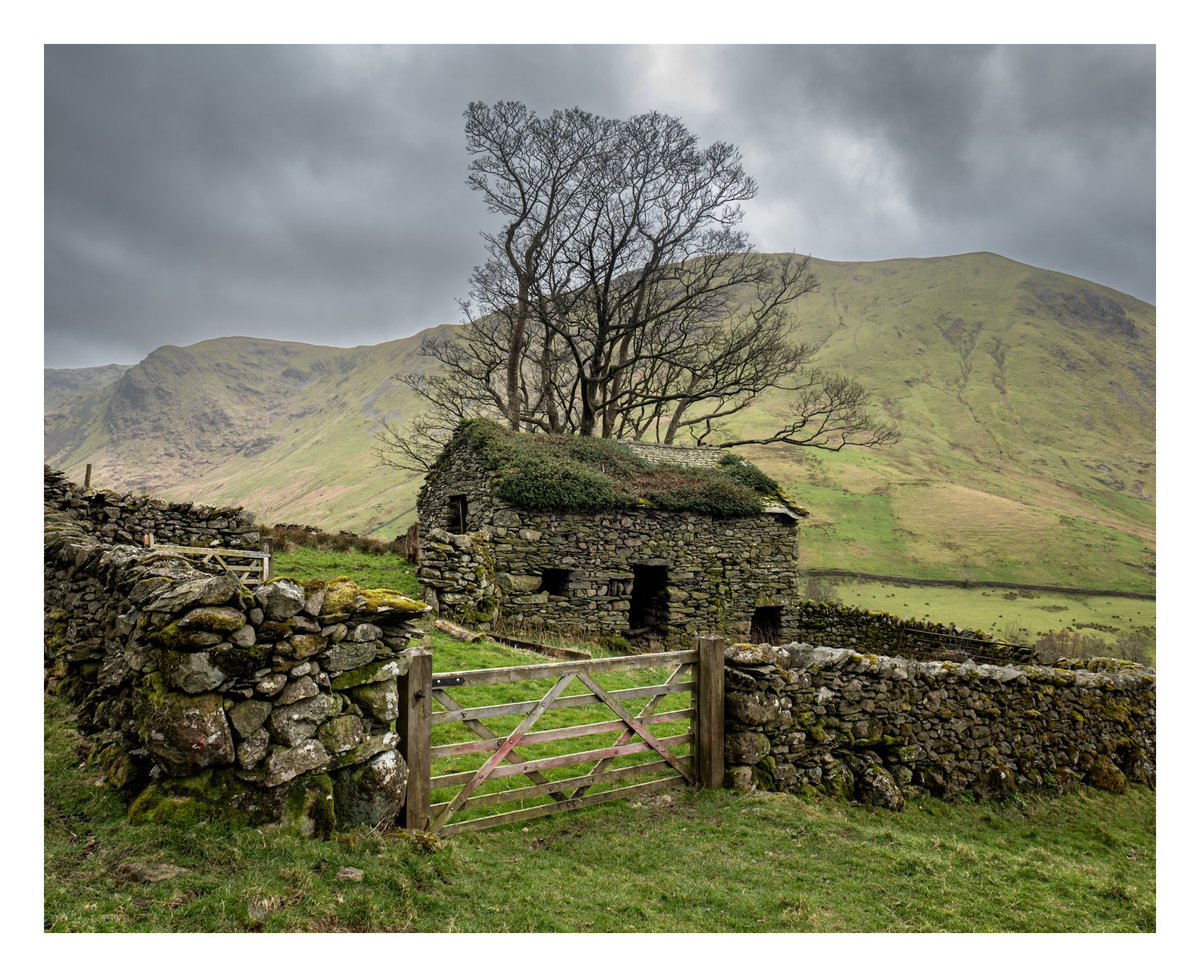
(249, 566)
(682, 739)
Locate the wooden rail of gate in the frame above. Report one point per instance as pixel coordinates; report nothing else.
(250, 566)
(698, 671)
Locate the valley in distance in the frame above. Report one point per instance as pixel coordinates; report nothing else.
(1026, 400)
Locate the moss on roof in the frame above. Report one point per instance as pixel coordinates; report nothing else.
(576, 474)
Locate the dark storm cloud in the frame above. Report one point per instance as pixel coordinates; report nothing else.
(306, 193)
(318, 193)
(1044, 154)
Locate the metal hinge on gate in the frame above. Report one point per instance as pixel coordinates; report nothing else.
(447, 682)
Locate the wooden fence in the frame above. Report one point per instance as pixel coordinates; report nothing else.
(250, 566)
(697, 673)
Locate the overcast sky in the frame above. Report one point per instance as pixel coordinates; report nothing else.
(318, 193)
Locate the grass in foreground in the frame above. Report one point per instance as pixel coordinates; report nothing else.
(688, 861)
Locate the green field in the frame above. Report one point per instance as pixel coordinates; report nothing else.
(369, 570)
(684, 861)
(1011, 614)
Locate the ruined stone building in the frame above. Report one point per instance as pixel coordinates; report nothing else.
(582, 535)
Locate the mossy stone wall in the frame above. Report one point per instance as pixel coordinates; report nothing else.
(879, 633)
(116, 517)
(882, 730)
(277, 704)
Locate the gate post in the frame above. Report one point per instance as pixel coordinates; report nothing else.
(414, 726)
(709, 747)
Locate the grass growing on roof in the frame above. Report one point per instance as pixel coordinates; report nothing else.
(574, 474)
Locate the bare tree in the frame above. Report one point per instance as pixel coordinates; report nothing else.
(620, 298)
(532, 172)
(830, 411)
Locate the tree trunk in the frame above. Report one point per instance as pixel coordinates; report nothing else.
(512, 393)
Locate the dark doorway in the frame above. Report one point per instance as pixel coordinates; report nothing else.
(766, 625)
(648, 606)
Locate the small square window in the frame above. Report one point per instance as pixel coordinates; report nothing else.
(766, 625)
(555, 582)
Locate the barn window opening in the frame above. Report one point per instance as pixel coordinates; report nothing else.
(556, 582)
(649, 609)
(766, 626)
(457, 521)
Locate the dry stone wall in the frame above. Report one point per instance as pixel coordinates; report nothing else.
(881, 729)
(879, 633)
(278, 703)
(459, 576)
(461, 475)
(115, 517)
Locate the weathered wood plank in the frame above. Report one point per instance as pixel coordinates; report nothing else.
(554, 762)
(709, 727)
(523, 673)
(468, 747)
(637, 727)
(414, 728)
(577, 784)
(514, 738)
(250, 566)
(645, 714)
(565, 702)
(571, 804)
(212, 550)
(479, 729)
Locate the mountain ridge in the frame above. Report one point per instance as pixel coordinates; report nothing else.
(1026, 397)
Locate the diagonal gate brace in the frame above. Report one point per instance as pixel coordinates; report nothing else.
(634, 725)
(514, 738)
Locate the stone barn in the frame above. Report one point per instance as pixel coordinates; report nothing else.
(552, 533)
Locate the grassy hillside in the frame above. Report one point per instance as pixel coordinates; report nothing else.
(1026, 398)
(1027, 402)
(283, 428)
